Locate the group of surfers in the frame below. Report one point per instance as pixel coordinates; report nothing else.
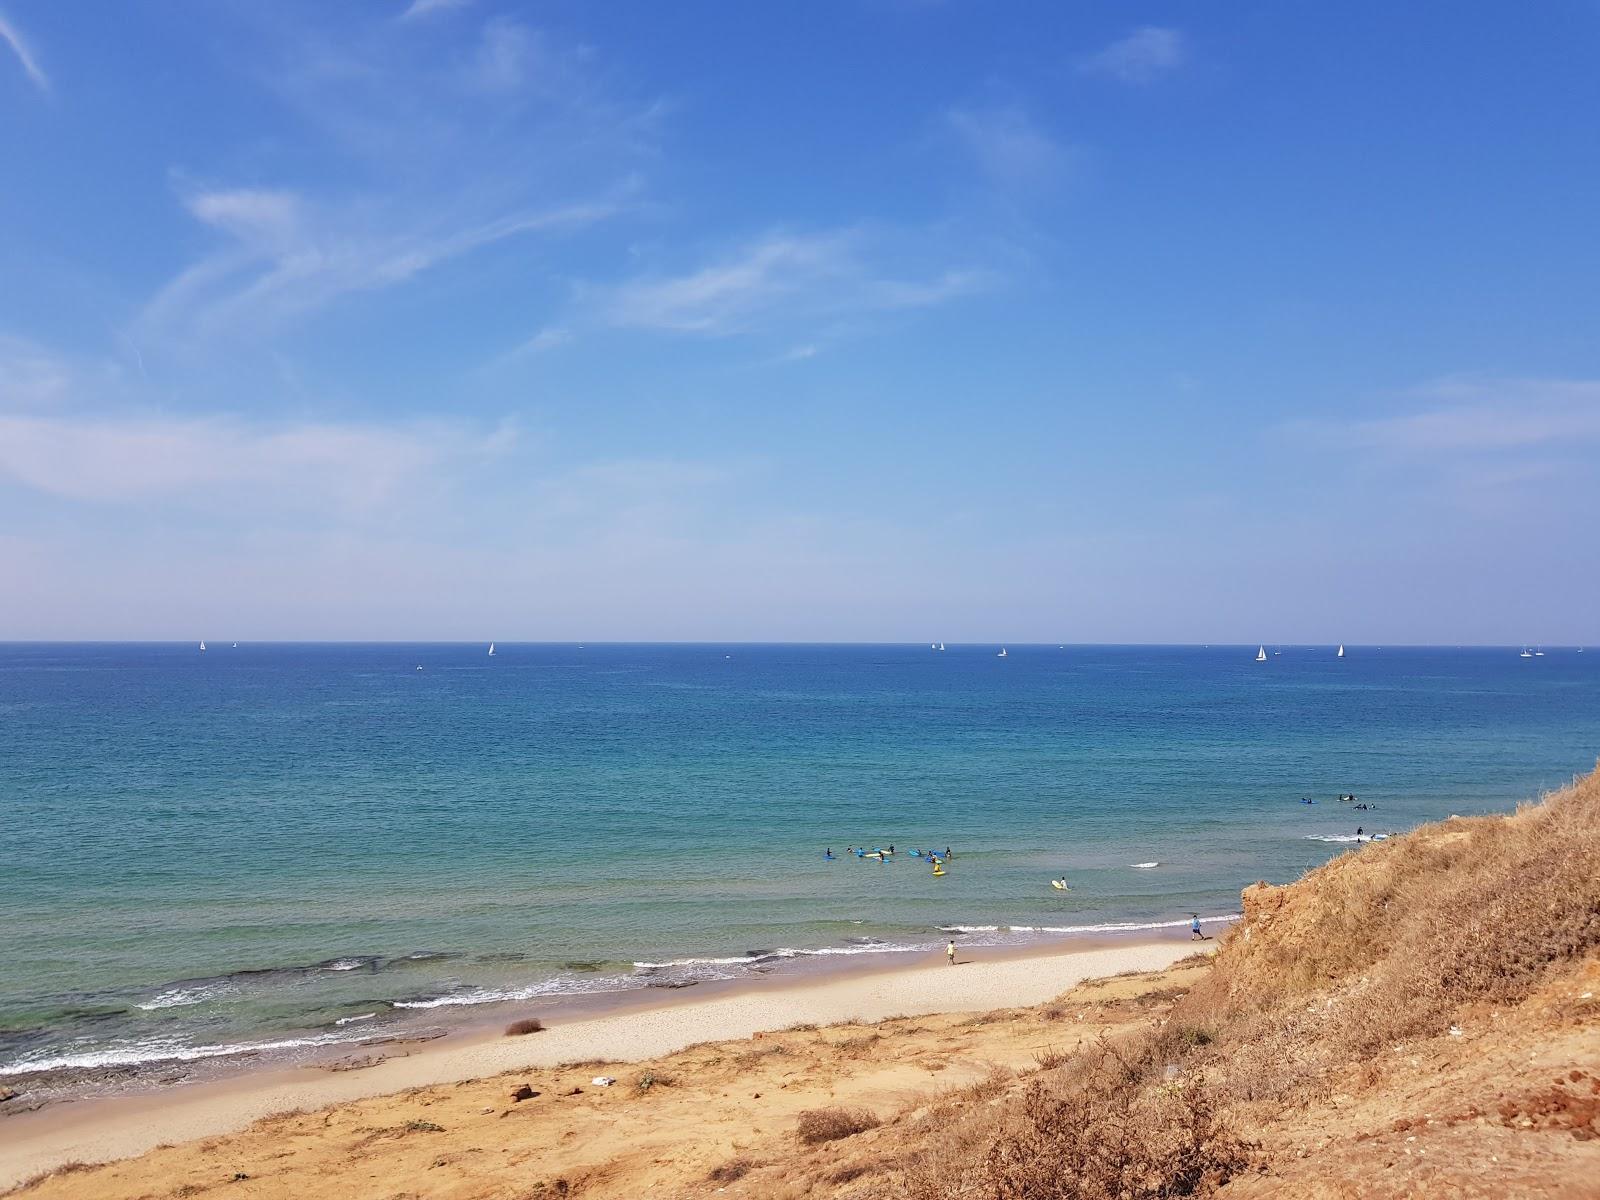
(883, 856)
(1344, 798)
(881, 853)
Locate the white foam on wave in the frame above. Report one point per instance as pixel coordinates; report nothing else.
(1103, 927)
(346, 964)
(353, 1020)
(183, 997)
(159, 1050)
(548, 987)
(751, 960)
(704, 962)
(1346, 837)
(1145, 866)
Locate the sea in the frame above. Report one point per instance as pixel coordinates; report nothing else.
(261, 851)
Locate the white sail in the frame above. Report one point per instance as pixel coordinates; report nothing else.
(1261, 654)
(202, 645)
(1002, 653)
(1341, 652)
(491, 649)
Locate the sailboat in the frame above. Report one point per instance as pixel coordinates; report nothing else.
(1526, 653)
(1261, 654)
(236, 645)
(202, 646)
(1002, 653)
(1539, 653)
(941, 645)
(1341, 651)
(491, 649)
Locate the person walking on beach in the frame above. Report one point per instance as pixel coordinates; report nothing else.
(950, 952)
(1194, 929)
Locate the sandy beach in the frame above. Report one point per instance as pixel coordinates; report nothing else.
(104, 1130)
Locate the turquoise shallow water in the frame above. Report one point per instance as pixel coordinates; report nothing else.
(264, 845)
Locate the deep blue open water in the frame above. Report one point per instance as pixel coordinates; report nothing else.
(266, 844)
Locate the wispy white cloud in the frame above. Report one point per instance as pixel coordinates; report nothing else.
(11, 36)
(1010, 148)
(1144, 56)
(1467, 415)
(286, 257)
(418, 9)
(776, 277)
(90, 457)
(519, 136)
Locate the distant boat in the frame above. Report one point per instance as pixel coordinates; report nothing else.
(1526, 653)
(1341, 651)
(419, 666)
(202, 647)
(1539, 653)
(1002, 653)
(236, 645)
(941, 646)
(491, 649)
(1261, 654)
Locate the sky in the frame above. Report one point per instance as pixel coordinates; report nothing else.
(853, 320)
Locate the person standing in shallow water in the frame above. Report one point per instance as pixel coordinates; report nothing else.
(950, 952)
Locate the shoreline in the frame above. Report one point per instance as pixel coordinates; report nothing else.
(99, 1130)
(408, 1023)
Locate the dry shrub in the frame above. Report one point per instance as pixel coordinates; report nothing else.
(71, 1167)
(1103, 1134)
(855, 1047)
(853, 1171)
(524, 1026)
(1053, 1012)
(994, 1083)
(800, 1027)
(732, 1170)
(1050, 1058)
(756, 1055)
(652, 1079)
(818, 1125)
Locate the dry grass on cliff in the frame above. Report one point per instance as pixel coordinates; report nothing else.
(1394, 941)
(1379, 947)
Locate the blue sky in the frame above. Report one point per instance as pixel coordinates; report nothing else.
(855, 320)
